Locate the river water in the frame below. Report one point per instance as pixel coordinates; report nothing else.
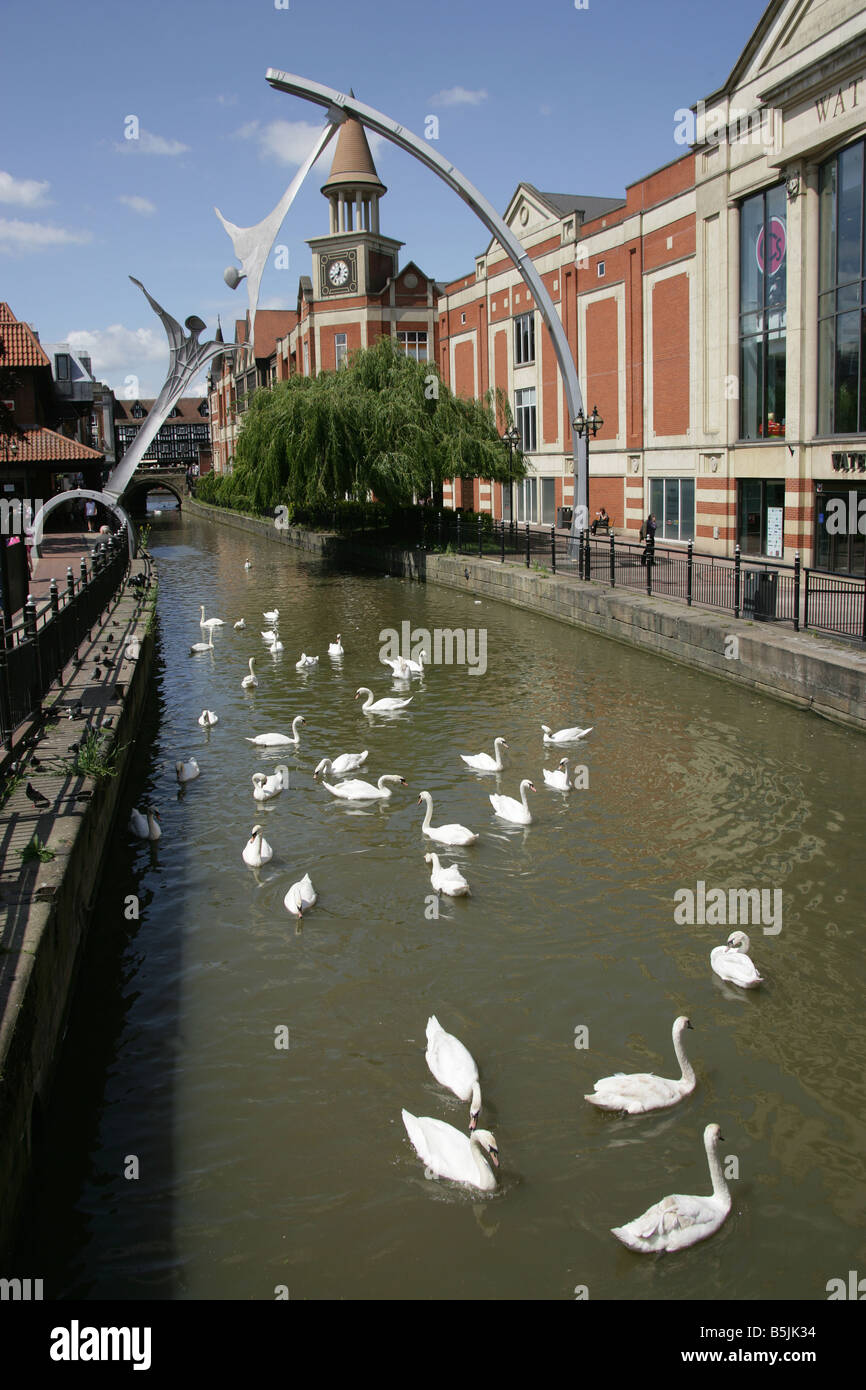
(189, 1155)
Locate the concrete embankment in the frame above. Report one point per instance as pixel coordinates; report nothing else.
(804, 669)
(45, 907)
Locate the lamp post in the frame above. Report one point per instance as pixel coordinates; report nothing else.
(583, 426)
(511, 437)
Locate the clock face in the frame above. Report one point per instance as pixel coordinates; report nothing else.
(338, 273)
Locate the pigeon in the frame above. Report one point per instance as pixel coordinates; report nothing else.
(36, 797)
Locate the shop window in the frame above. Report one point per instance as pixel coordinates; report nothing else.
(672, 502)
(763, 314)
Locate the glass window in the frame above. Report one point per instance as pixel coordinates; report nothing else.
(672, 503)
(524, 418)
(842, 295)
(548, 501)
(525, 499)
(414, 345)
(763, 314)
(761, 516)
(61, 366)
(340, 349)
(524, 340)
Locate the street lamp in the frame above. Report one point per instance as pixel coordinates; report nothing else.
(582, 426)
(511, 437)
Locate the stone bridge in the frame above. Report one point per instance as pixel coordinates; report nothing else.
(145, 479)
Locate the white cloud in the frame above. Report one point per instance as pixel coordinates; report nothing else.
(289, 142)
(137, 203)
(148, 143)
(36, 236)
(28, 193)
(118, 349)
(458, 96)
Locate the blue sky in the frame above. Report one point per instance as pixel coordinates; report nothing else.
(570, 100)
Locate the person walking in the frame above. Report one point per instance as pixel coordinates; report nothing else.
(648, 536)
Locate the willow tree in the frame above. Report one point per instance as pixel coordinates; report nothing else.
(384, 424)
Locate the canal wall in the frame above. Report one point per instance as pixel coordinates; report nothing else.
(45, 907)
(803, 669)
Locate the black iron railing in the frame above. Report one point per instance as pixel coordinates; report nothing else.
(33, 655)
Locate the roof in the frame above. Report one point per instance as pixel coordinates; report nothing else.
(187, 405)
(272, 324)
(564, 203)
(353, 162)
(22, 348)
(40, 445)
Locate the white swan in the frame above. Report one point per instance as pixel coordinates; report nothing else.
(512, 810)
(356, 790)
(416, 668)
(336, 648)
(209, 622)
(266, 788)
(272, 616)
(145, 827)
(445, 834)
(678, 1221)
(276, 646)
(257, 851)
(279, 740)
(453, 1066)
(306, 661)
(565, 735)
(558, 779)
(269, 633)
(482, 762)
(248, 564)
(249, 681)
(207, 718)
(448, 879)
(301, 894)
(450, 1154)
(371, 706)
(346, 762)
(732, 962)
(240, 624)
(399, 665)
(198, 647)
(637, 1092)
(187, 772)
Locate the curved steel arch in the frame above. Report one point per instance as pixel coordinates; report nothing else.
(107, 500)
(398, 135)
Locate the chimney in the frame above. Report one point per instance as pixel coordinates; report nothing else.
(34, 331)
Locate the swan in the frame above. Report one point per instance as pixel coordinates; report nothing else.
(677, 1221)
(416, 668)
(346, 762)
(279, 740)
(145, 827)
(257, 851)
(248, 564)
(450, 1154)
(187, 772)
(399, 665)
(638, 1092)
(266, 788)
(371, 706)
(453, 1066)
(306, 661)
(249, 681)
(240, 624)
(336, 648)
(445, 834)
(269, 635)
(272, 616)
(447, 880)
(301, 894)
(198, 647)
(356, 790)
(482, 762)
(564, 735)
(209, 622)
(558, 779)
(732, 962)
(276, 646)
(207, 718)
(510, 809)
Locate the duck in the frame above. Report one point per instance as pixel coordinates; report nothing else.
(564, 735)
(558, 779)
(345, 762)
(336, 648)
(187, 772)
(449, 1154)
(301, 894)
(371, 706)
(207, 718)
(508, 808)
(279, 740)
(266, 788)
(273, 616)
(250, 681)
(638, 1092)
(356, 790)
(482, 762)
(733, 963)
(210, 622)
(145, 827)
(447, 880)
(453, 1066)
(198, 647)
(677, 1221)
(306, 661)
(445, 834)
(257, 851)
(240, 624)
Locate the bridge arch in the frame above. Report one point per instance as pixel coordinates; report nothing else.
(140, 484)
(86, 493)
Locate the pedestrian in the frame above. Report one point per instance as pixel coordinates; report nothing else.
(601, 522)
(648, 536)
(90, 513)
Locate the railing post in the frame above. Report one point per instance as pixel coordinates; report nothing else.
(553, 549)
(423, 530)
(29, 618)
(587, 558)
(83, 571)
(502, 540)
(689, 575)
(5, 693)
(806, 601)
(440, 533)
(612, 561)
(528, 544)
(70, 583)
(459, 537)
(737, 579)
(480, 542)
(797, 593)
(54, 597)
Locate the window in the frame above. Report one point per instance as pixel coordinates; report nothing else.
(548, 501)
(761, 517)
(840, 545)
(306, 357)
(414, 345)
(204, 409)
(841, 296)
(524, 340)
(524, 418)
(340, 349)
(61, 366)
(138, 412)
(462, 318)
(600, 270)
(525, 499)
(672, 503)
(763, 314)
